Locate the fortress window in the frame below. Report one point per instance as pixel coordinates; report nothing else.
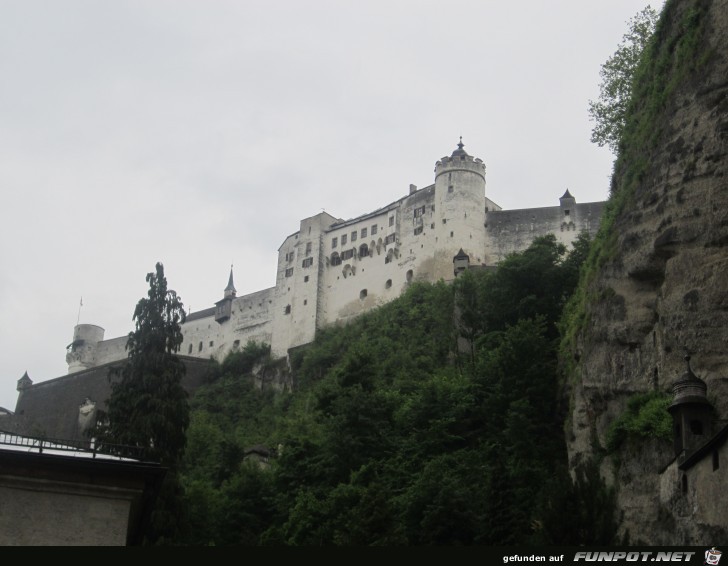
(343, 239)
(432, 226)
(289, 272)
(419, 211)
(450, 189)
(409, 276)
(374, 229)
(418, 230)
(189, 350)
(308, 248)
(363, 294)
(305, 302)
(391, 220)
(308, 262)
(388, 284)
(363, 233)
(444, 220)
(335, 259)
(305, 279)
(363, 250)
(212, 343)
(199, 348)
(353, 236)
(696, 427)
(287, 310)
(389, 239)
(334, 242)
(566, 212)
(289, 256)
(348, 254)
(452, 234)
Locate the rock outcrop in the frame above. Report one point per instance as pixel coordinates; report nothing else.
(659, 284)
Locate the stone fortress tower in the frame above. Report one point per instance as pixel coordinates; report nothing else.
(460, 205)
(332, 270)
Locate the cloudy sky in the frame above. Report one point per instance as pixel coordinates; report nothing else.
(198, 133)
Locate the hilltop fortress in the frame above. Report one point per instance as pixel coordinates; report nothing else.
(331, 270)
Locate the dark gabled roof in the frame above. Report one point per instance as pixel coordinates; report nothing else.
(715, 441)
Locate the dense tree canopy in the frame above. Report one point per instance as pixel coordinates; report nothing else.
(432, 420)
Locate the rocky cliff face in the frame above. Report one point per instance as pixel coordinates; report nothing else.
(659, 284)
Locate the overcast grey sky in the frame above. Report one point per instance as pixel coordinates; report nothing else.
(199, 133)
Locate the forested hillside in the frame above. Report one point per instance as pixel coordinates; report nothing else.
(435, 419)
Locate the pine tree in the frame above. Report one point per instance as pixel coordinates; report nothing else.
(148, 406)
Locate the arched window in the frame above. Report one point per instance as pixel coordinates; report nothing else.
(410, 275)
(363, 294)
(189, 350)
(335, 259)
(388, 284)
(363, 250)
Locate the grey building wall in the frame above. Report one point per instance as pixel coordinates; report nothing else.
(62, 407)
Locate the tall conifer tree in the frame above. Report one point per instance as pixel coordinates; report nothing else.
(148, 406)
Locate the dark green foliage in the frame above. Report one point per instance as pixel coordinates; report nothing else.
(646, 416)
(396, 435)
(580, 512)
(148, 405)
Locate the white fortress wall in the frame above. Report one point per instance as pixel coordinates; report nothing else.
(250, 319)
(331, 270)
(509, 231)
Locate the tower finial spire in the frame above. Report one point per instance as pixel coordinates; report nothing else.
(230, 290)
(461, 144)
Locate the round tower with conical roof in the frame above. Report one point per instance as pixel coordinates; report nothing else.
(691, 412)
(459, 210)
